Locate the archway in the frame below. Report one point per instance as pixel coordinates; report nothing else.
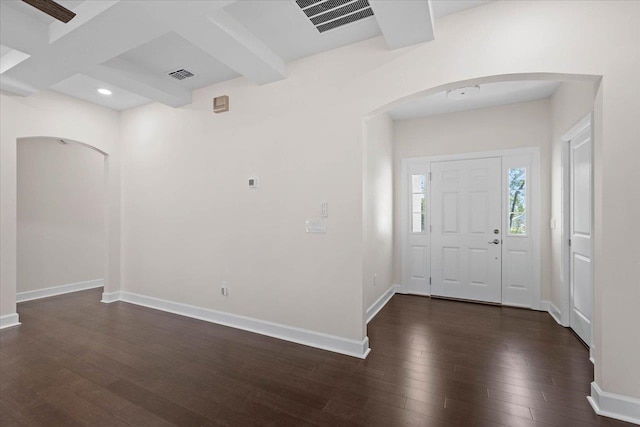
(61, 233)
(13, 319)
(371, 308)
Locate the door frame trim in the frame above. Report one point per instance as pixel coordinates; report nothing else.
(534, 152)
(565, 209)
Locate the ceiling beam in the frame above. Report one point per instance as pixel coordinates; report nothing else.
(10, 59)
(86, 11)
(21, 31)
(228, 41)
(13, 86)
(58, 52)
(132, 78)
(122, 27)
(404, 22)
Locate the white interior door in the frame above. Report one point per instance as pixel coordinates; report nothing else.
(581, 232)
(465, 215)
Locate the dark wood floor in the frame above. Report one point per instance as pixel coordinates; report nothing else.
(75, 361)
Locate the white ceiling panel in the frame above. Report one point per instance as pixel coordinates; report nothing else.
(490, 95)
(83, 87)
(171, 52)
(442, 8)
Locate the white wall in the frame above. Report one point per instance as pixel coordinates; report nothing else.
(60, 214)
(498, 128)
(54, 115)
(569, 104)
(377, 208)
(190, 221)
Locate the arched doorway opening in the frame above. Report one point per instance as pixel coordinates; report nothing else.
(387, 211)
(71, 143)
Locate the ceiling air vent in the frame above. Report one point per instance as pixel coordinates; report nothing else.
(181, 74)
(326, 15)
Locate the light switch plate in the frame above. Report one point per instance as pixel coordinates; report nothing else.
(316, 226)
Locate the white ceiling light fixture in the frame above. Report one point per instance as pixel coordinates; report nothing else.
(463, 92)
(105, 92)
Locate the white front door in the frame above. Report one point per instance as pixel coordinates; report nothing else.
(581, 232)
(466, 229)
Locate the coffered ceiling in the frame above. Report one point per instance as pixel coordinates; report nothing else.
(130, 47)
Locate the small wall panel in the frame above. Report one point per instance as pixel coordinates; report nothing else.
(450, 213)
(451, 264)
(478, 266)
(418, 262)
(478, 212)
(518, 268)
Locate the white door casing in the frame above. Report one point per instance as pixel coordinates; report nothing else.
(466, 212)
(581, 231)
(520, 254)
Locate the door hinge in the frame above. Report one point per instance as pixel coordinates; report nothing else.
(430, 228)
(429, 280)
(429, 176)
(569, 242)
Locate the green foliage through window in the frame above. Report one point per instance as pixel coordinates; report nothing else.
(517, 201)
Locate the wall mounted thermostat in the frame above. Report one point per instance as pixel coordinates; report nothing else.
(253, 182)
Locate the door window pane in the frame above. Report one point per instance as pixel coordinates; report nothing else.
(417, 203)
(517, 209)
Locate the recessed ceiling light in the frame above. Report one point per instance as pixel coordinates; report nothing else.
(103, 91)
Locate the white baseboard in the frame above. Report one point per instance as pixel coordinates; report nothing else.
(380, 302)
(108, 297)
(614, 405)
(549, 307)
(399, 289)
(58, 290)
(320, 340)
(9, 320)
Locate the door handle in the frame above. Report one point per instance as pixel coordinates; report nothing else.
(495, 242)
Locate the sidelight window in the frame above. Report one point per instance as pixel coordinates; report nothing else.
(417, 203)
(517, 209)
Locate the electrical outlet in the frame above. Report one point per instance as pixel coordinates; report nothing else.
(375, 276)
(224, 289)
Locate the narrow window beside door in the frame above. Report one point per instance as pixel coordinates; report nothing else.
(517, 202)
(417, 203)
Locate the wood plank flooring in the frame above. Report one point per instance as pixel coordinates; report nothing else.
(75, 361)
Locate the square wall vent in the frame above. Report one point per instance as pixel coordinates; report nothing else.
(327, 15)
(181, 74)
